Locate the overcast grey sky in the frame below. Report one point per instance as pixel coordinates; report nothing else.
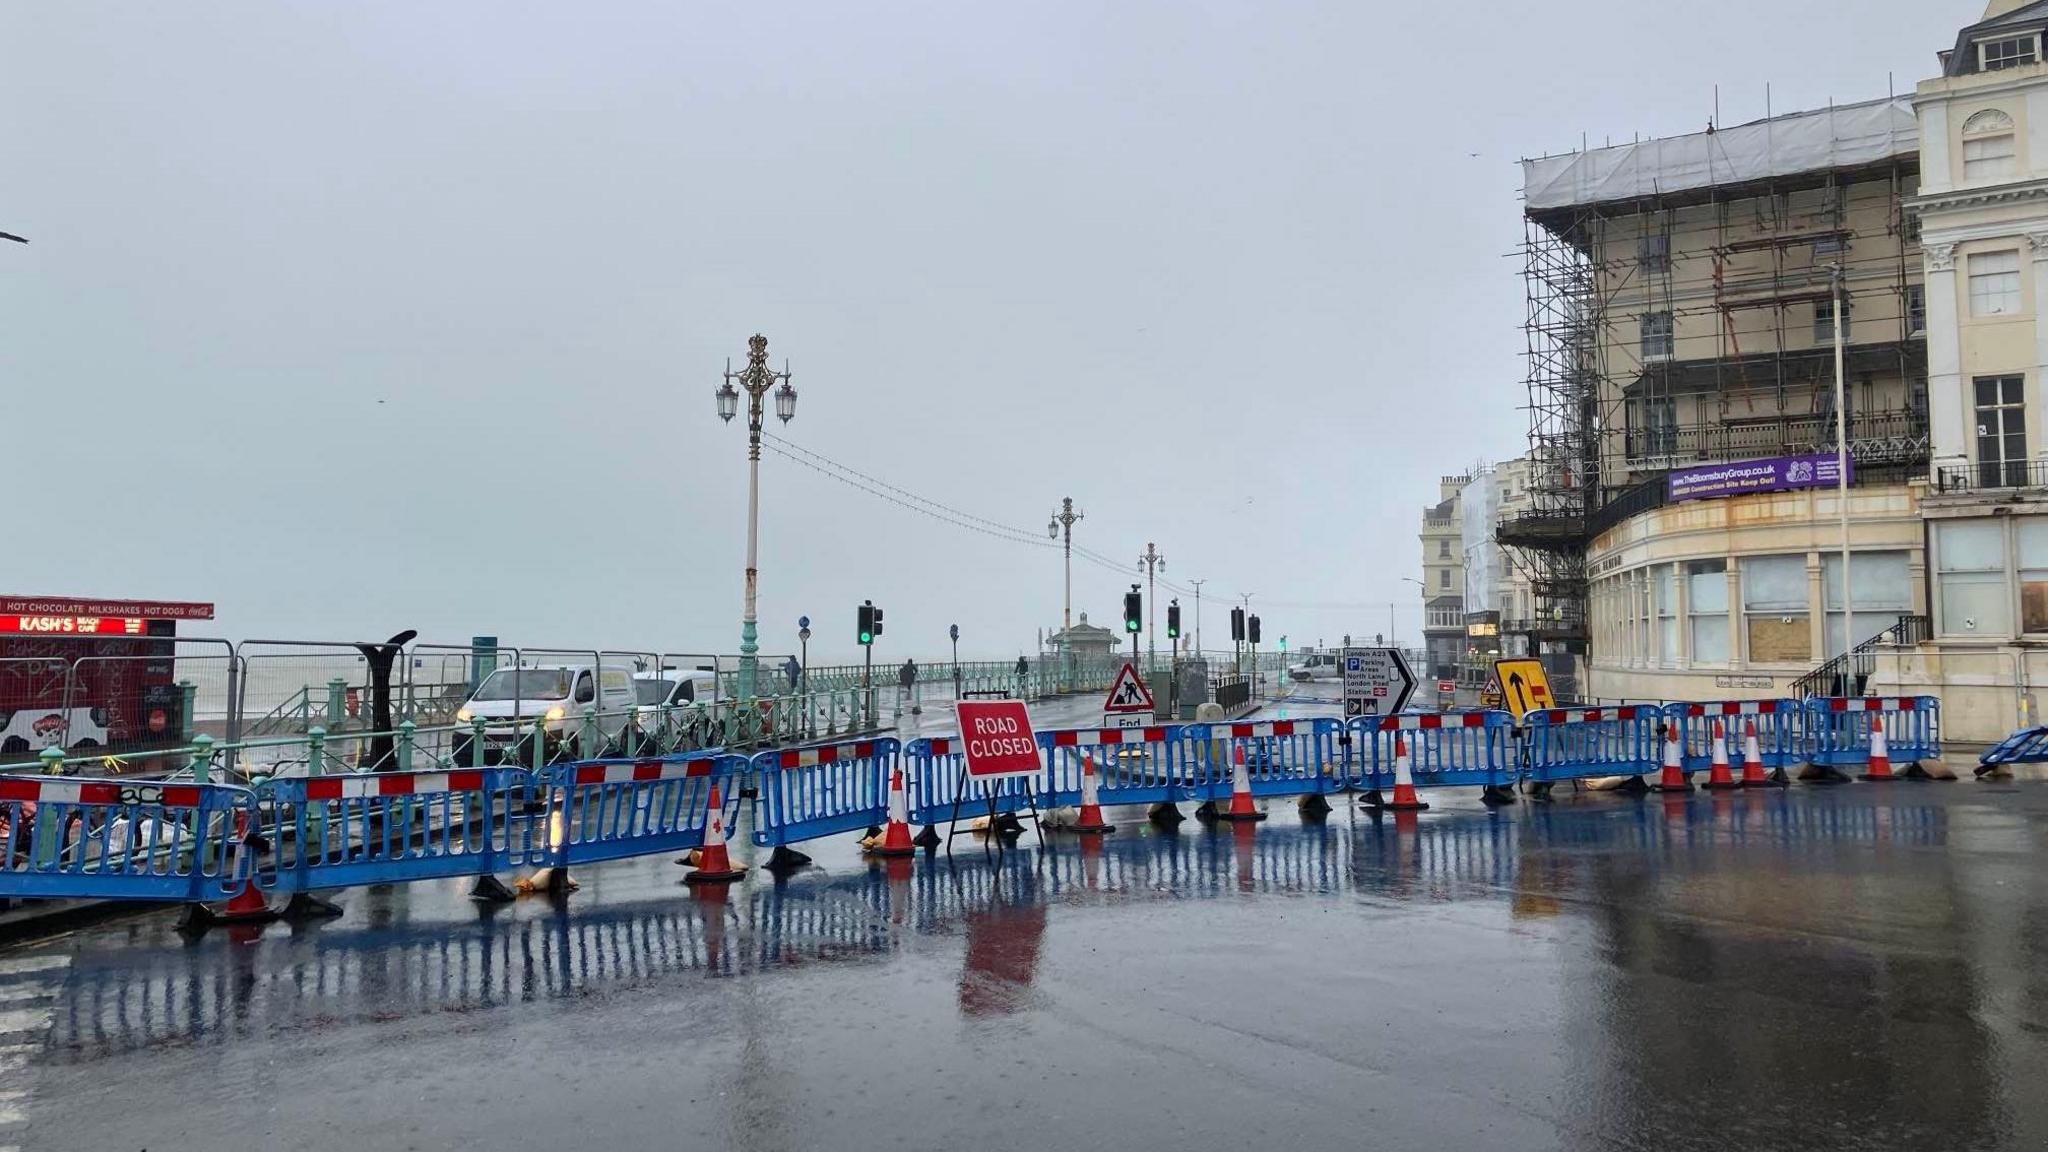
(359, 317)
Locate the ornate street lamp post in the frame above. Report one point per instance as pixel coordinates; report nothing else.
(756, 379)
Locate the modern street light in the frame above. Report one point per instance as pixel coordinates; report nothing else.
(1151, 562)
(756, 378)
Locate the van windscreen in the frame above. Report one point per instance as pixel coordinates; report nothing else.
(524, 684)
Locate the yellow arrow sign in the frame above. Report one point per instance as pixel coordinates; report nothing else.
(1524, 685)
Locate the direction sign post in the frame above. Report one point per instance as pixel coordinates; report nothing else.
(1377, 681)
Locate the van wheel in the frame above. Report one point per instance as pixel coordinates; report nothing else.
(14, 746)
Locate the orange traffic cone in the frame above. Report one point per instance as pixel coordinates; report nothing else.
(1880, 753)
(1673, 778)
(1091, 820)
(1241, 806)
(896, 837)
(247, 906)
(1718, 775)
(1404, 780)
(713, 865)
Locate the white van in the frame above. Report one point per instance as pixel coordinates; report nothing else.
(1315, 666)
(510, 700)
(690, 695)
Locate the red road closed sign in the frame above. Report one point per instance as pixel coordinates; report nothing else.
(996, 738)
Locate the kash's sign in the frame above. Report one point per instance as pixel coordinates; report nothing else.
(1775, 474)
(996, 738)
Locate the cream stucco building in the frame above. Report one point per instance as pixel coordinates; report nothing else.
(1983, 214)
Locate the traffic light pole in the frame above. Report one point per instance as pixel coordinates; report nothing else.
(867, 680)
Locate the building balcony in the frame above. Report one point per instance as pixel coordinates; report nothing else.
(1991, 476)
(1885, 437)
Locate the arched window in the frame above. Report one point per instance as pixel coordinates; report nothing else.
(1988, 148)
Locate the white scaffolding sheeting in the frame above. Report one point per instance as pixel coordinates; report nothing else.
(1844, 136)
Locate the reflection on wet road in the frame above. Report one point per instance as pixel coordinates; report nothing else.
(1864, 967)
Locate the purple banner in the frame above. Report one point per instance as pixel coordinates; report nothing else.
(1775, 474)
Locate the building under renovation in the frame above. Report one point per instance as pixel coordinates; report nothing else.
(1682, 299)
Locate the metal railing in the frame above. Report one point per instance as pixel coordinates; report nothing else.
(1992, 475)
(1848, 673)
(1874, 437)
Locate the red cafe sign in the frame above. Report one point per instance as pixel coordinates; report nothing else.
(53, 606)
(72, 625)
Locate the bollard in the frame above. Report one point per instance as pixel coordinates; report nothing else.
(187, 693)
(316, 755)
(586, 736)
(53, 760)
(540, 746)
(202, 758)
(337, 695)
(476, 742)
(405, 739)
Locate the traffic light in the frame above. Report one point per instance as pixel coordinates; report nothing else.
(1252, 629)
(1134, 611)
(865, 622)
(877, 620)
(1283, 643)
(1237, 623)
(1173, 620)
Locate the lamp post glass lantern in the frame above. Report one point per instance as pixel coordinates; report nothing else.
(756, 379)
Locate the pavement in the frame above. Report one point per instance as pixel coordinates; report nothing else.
(1861, 967)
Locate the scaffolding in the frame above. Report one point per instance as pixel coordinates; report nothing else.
(1607, 421)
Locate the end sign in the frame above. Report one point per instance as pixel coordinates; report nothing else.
(996, 739)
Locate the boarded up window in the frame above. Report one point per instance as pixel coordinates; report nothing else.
(1780, 640)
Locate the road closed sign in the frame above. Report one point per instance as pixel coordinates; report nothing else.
(996, 739)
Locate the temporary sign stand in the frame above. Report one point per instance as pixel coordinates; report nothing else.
(996, 743)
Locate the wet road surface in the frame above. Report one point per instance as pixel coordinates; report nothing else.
(1863, 967)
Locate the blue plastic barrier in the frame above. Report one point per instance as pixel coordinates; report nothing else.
(806, 793)
(1578, 743)
(122, 839)
(1150, 765)
(1445, 748)
(1780, 731)
(378, 828)
(1281, 757)
(1838, 728)
(611, 809)
(932, 767)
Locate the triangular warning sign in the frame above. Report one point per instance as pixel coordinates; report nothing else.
(1492, 683)
(1127, 693)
